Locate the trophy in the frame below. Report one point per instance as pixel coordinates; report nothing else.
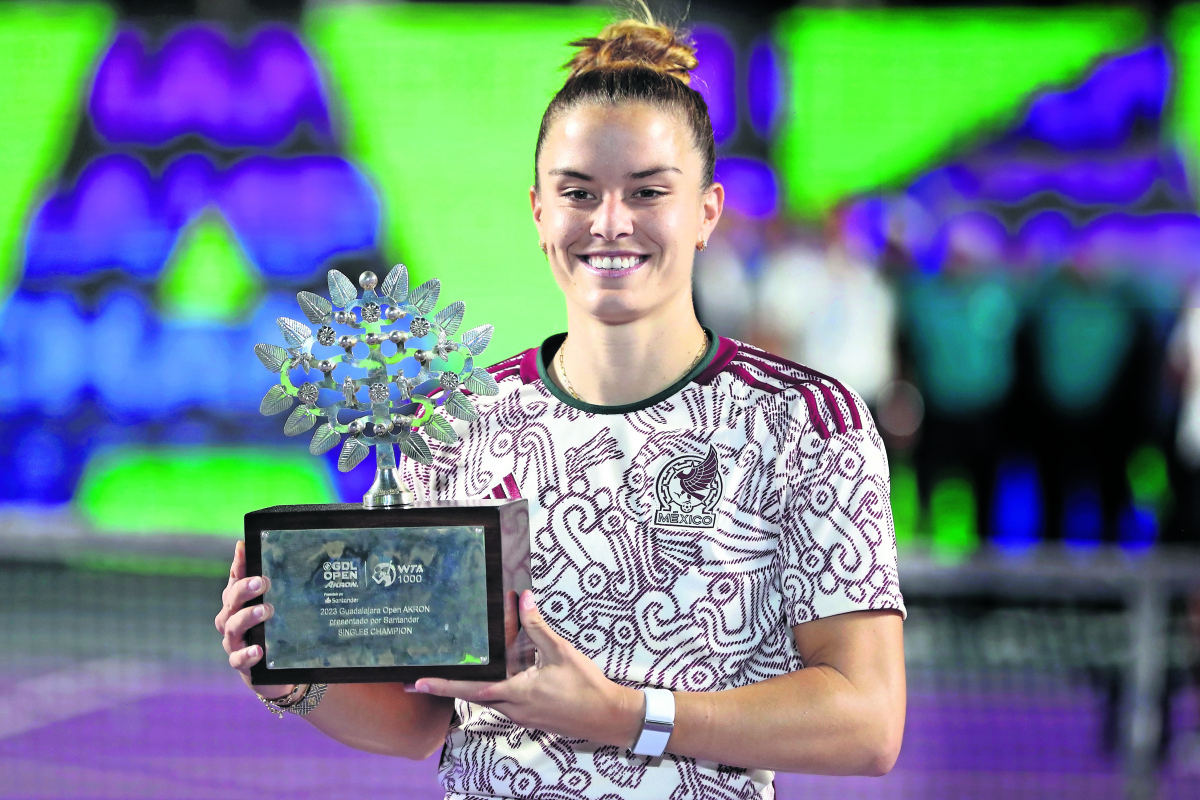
(392, 589)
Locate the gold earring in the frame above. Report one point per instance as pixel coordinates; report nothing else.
(700, 248)
(543, 247)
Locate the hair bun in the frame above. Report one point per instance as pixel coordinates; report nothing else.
(631, 43)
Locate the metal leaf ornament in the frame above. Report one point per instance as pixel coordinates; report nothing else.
(294, 333)
(353, 451)
(376, 329)
(395, 285)
(317, 309)
(272, 356)
(477, 339)
(457, 405)
(324, 439)
(441, 429)
(425, 296)
(415, 448)
(450, 317)
(298, 422)
(276, 401)
(480, 381)
(341, 290)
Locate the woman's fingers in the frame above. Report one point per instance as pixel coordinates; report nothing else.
(242, 660)
(512, 625)
(237, 568)
(544, 638)
(242, 621)
(234, 576)
(237, 594)
(247, 589)
(234, 618)
(471, 691)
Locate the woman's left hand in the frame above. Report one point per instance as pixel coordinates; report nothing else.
(565, 693)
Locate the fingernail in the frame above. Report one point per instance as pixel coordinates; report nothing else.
(255, 652)
(255, 584)
(423, 688)
(270, 609)
(527, 601)
(258, 612)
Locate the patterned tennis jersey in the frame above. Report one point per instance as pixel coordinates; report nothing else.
(676, 541)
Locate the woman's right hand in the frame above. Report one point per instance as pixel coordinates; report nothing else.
(235, 619)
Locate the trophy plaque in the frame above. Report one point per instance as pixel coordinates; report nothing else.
(389, 590)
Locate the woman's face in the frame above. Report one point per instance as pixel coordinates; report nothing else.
(621, 209)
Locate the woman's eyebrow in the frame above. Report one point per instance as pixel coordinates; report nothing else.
(583, 176)
(572, 173)
(646, 173)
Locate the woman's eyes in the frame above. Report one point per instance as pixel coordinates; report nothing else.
(580, 195)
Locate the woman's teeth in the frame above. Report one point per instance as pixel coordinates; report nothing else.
(605, 262)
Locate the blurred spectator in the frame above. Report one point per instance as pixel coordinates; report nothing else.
(724, 276)
(831, 310)
(1185, 358)
(961, 324)
(1083, 329)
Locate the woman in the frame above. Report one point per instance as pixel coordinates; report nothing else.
(706, 518)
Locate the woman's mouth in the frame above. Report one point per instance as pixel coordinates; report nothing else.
(614, 265)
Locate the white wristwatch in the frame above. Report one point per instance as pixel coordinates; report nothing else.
(660, 721)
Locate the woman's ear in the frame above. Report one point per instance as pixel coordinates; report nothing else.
(713, 205)
(535, 203)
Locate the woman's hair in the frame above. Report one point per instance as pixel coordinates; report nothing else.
(635, 61)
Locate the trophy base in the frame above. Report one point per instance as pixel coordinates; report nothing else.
(388, 490)
(423, 591)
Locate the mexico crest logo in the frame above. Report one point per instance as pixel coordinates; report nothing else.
(688, 489)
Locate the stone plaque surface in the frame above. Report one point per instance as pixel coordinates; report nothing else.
(376, 597)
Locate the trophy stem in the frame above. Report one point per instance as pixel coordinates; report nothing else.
(388, 490)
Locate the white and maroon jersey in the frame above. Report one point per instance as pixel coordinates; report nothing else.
(676, 541)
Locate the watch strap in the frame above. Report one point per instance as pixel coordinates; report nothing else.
(658, 724)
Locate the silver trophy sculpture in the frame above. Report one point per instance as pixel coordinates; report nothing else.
(397, 407)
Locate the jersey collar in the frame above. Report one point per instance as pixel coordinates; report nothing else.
(551, 345)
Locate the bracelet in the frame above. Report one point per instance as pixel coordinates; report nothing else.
(293, 697)
(292, 700)
(658, 724)
(304, 706)
(274, 709)
(282, 700)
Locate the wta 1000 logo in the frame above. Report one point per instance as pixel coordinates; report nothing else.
(386, 573)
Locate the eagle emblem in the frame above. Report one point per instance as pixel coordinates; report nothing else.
(688, 489)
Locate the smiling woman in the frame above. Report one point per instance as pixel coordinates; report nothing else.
(620, 240)
(623, 195)
(714, 565)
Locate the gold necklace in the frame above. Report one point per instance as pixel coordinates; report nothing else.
(562, 367)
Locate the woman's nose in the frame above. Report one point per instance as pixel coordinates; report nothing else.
(612, 219)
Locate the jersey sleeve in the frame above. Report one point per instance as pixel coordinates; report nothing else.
(837, 547)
